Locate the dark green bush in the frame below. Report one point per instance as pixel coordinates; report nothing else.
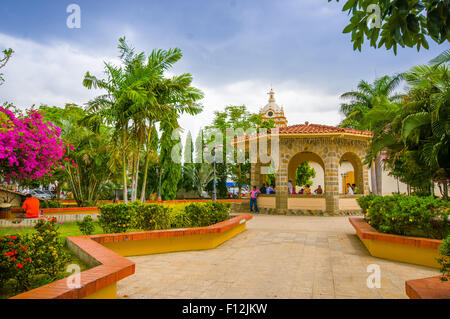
(152, 216)
(219, 211)
(117, 218)
(179, 219)
(197, 213)
(205, 214)
(444, 259)
(407, 215)
(86, 226)
(28, 261)
(51, 204)
(89, 203)
(364, 202)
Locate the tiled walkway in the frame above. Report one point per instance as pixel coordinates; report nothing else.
(277, 257)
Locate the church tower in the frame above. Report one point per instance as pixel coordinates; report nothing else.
(273, 111)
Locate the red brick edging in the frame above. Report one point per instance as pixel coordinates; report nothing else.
(111, 266)
(365, 231)
(428, 288)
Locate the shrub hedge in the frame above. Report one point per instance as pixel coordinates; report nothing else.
(152, 216)
(30, 261)
(407, 215)
(51, 204)
(444, 259)
(118, 218)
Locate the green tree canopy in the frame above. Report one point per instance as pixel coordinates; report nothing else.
(401, 22)
(303, 174)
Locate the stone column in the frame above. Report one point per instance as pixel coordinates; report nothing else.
(331, 162)
(281, 180)
(255, 175)
(365, 175)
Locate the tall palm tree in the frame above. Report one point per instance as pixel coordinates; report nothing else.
(427, 122)
(138, 96)
(361, 101)
(125, 93)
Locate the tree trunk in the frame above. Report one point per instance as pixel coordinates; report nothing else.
(124, 172)
(134, 177)
(147, 160)
(379, 174)
(373, 179)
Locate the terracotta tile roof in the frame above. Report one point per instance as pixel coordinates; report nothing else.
(307, 128)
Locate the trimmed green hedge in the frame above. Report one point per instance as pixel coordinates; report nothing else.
(152, 216)
(444, 259)
(407, 215)
(205, 214)
(51, 204)
(119, 218)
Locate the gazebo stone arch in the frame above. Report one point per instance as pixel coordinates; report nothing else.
(325, 145)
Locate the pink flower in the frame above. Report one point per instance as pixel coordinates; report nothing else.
(30, 148)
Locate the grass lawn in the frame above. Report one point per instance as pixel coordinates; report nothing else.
(69, 229)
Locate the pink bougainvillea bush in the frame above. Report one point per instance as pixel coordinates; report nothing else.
(29, 147)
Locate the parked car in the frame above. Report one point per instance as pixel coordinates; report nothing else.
(42, 194)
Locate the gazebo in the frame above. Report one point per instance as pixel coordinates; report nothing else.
(326, 145)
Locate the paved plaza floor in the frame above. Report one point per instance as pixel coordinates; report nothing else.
(276, 257)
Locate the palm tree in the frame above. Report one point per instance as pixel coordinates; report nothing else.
(173, 96)
(91, 151)
(361, 101)
(138, 96)
(444, 57)
(427, 125)
(200, 176)
(125, 93)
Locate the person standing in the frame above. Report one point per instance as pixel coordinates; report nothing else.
(253, 199)
(290, 187)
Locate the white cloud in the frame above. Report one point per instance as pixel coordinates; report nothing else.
(52, 74)
(49, 74)
(300, 104)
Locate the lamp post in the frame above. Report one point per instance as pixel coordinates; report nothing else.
(219, 147)
(214, 183)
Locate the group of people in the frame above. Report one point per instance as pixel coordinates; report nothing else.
(304, 191)
(254, 192)
(266, 190)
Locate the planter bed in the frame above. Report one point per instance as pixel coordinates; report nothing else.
(428, 288)
(106, 254)
(413, 250)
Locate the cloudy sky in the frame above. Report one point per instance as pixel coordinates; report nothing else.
(235, 50)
